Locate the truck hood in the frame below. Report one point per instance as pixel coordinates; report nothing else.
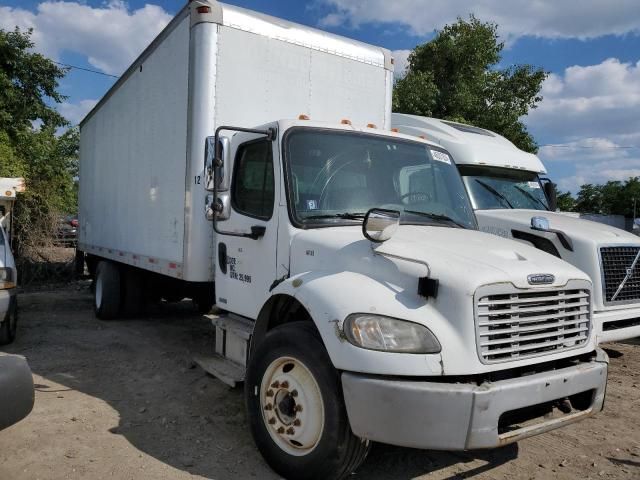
(575, 228)
(458, 257)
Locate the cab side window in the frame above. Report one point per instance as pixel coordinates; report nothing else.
(252, 191)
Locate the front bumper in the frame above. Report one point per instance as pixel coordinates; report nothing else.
(616, 325)
(464, 416)
(16, 389)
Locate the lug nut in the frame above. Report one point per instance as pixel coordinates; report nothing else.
(298, 408)
(284, 384)
(268, 406)
(294, 393)
(290, 431)
(269, 393)
(272, 420)
(297, 422)
(275, 384)
(281, 430)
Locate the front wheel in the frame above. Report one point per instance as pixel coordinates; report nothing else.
(9, 325)
(295, 407)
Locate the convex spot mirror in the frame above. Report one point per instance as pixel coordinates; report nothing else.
(217, 164)
(380, 225)
(540, 223)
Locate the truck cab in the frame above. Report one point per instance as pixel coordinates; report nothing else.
(9, 187)
(513, 199)
(350, 258)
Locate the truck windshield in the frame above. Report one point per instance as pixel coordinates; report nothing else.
(493, 188)
(335, 177)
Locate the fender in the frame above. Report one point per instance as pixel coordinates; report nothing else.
(330, 297)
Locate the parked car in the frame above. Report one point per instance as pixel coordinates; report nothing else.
(67, 232)
(16, 389)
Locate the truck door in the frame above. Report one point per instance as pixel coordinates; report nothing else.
(246, 267)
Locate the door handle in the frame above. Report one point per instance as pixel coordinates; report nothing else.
(257, 231)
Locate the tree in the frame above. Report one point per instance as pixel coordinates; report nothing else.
(27, 81)
(47, 160)
(566, 202)
(456, 77)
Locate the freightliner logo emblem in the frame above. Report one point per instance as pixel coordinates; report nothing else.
(540, 279)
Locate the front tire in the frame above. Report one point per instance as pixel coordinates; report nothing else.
(9, 325)
(295, 407)
(107, 291)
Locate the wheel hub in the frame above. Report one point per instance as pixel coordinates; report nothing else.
(292, 406)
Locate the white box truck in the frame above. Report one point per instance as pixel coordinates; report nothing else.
(247, 160)
(512, 198)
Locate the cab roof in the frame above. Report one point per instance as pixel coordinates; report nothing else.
(469, 145)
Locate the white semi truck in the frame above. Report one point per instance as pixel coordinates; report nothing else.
(359, 301)
(512, 198)
(9, 188)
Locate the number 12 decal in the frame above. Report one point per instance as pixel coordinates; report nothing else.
(197, 179)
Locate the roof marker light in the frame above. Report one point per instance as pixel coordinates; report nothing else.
(395, 130)
(345, 121)
(371, 125)
(303, 117)
(203, 9)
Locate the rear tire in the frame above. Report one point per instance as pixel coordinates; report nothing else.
(107, 291)
(295, 407)
(9, 325)
(133, 297)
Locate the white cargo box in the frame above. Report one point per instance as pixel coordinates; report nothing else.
(142, 196)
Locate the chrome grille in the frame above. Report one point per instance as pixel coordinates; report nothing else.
(519, 325)
(615, 264)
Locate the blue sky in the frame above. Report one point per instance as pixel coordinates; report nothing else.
(591, 48)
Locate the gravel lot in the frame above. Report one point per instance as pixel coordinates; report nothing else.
(123, 400)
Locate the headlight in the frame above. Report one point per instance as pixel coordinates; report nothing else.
(6, 278)
(376, 332)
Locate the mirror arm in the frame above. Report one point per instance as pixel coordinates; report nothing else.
(271, 134)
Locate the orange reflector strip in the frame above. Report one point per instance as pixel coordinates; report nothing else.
(303, 117)
(173, 265)
(344, 121)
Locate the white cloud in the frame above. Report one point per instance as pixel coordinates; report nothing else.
(109, 36)
(593, 112)
(74, 112)
(516, 18)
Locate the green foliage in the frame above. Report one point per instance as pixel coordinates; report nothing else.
(456, 77)
(611, 198)
(46, 159)
(27, 79)
(566, 203)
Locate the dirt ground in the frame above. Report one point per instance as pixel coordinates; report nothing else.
(123, 400)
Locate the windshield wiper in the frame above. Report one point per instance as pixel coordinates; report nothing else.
(528, 195)
(345, 216)
(437, 217)
(495, 192)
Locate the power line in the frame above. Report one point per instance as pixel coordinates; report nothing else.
(592, 147)
(86, 69)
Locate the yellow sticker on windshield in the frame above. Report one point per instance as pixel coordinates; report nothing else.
(441, 156)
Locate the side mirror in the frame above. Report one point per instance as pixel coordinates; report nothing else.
(550, 192)
(380, 225)
(217, 163)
